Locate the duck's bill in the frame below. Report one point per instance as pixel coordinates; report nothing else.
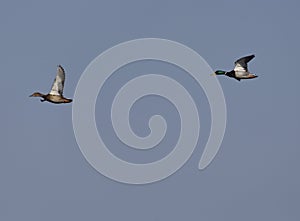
(213, 74)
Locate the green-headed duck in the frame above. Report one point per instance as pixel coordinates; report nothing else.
(240, 70)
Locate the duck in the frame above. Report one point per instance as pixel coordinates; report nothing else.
(56, 94)
(240, 70)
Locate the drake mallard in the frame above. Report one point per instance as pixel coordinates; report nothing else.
(56, 93)
(240, 70)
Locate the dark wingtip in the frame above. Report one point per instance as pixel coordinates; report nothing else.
(59, 66)
(251, 56)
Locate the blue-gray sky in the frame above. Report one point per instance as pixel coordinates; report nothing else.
(255, 176)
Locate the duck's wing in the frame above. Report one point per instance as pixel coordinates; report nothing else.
(241, 64)
(59, 81)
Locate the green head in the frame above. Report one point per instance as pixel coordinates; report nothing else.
(219, 72)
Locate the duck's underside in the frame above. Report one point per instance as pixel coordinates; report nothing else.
(251, 76)
(240, 75)
(55, 99)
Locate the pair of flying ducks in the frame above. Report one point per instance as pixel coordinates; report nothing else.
(239, 72)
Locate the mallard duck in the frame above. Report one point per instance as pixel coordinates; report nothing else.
(56, 93)
(240, 70)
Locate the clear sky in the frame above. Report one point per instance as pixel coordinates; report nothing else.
(255, 176)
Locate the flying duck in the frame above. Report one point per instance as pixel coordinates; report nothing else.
(240, 70)
(56, 94)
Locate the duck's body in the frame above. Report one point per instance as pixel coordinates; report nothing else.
(56, 99)
(240, 70)
(56, 94)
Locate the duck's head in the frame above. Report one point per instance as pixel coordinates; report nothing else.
(220, 72)
(36, 94)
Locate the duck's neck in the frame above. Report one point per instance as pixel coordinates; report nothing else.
(43, 95)
(230, 73)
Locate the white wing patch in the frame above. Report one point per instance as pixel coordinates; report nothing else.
(241, 64)
(239, 68)
(58, 84)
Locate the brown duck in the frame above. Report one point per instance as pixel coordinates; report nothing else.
(56, 94)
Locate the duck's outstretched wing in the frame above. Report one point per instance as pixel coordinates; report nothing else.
(59, 81)
(241, 64)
